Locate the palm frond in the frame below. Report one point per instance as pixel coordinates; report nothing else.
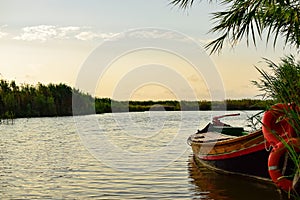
(184, 4)
(248, 19)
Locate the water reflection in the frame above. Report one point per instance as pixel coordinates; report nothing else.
(212, 185)
(43, 158)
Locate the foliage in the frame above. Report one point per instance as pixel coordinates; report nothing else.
(38, 101)
(250, 18)
(283, 85)
(58, 100)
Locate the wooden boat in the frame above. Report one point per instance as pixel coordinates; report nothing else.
(243, 155)
(240, 153)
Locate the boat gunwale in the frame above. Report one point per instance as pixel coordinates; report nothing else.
(242, 145)
(233, 153)
(256, 134)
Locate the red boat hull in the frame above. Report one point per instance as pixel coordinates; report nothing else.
(245, 155)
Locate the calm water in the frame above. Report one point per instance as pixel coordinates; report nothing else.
(123, 156)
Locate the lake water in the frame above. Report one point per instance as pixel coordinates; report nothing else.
(114, 156)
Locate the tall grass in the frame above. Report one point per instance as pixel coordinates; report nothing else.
(282, 85)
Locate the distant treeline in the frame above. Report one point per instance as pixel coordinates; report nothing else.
(59, 100)
(40, 100)
(135, 106)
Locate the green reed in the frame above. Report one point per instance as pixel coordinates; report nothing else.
(282, 84)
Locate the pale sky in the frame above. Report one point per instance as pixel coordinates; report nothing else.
(49, 41)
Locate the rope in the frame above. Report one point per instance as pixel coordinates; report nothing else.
(266, 147)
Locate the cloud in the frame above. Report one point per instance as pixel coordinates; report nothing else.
(64, 32)
(89, 35)
(86, 35)
(46, 32)
(107, 36)
(155, 34)
(3, 34)
(168, 35)
(41, 32)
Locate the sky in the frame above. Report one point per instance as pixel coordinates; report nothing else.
(79, 43)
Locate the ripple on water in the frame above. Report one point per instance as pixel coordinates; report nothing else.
(43, 158)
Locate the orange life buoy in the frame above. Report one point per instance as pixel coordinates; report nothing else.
(274, 128)
(273, 163)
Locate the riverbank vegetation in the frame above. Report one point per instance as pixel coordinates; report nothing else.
(38, 101)
(283, 85)
(41, 100)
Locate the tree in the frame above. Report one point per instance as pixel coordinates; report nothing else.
(250, 18)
